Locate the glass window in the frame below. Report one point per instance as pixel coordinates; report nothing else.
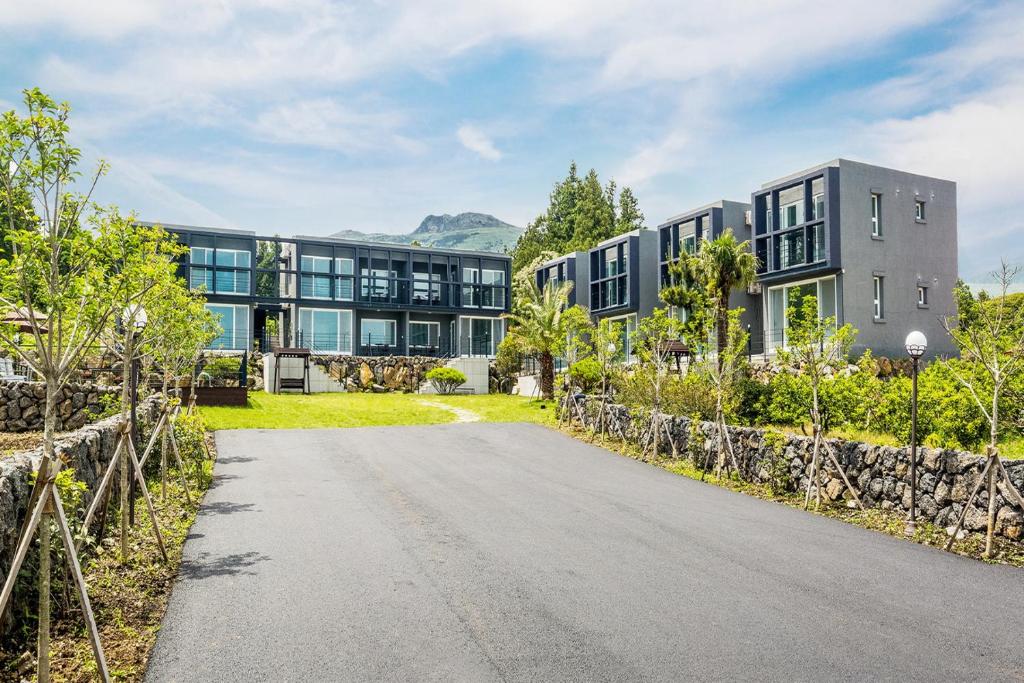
(233, 258)
(879, 298)
(792, 214)
(791, 249)
(876, 214)
(480, 336)
(201, 278)
(922, 296)
(231, 281)
(919, 210)
(424, 334)
(234, 323)
(690, 244)
(816, 242)
(325, 331)
(202, 256)
(373, 332)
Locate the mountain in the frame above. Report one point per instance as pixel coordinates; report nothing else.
(469, 230)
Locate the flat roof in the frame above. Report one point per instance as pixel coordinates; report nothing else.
(840, 162)
(720, 204)
(234, 232)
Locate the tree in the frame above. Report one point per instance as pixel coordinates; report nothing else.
(181, 327)
(140, 263)
(722, 373)
(816, 349)
(990, 335)
(580, 214)
(54, 280)
(688, 292)
(727, 265)
(654, 337)
(608, 347)
(542, 328)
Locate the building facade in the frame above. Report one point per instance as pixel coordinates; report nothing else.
(615, 280)
(337, 296)
(876, 246)
(685, 231)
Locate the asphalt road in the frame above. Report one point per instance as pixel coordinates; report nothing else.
(478, 552)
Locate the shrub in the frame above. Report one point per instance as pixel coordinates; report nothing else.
(507, 363)
(585, 374)
(189, 432)
(446, 380)
(223, 367)
(786, 400)
(689, 394)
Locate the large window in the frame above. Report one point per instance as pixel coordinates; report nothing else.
(424, 336)
(234, 322)
(325, 331)
(628, 335)
(494, 288)
(876, 214)
(792, 214)
(470, 292)
(786, 306)
(220, 271)
(690, 244)
(316, 277)
(375, 333)
(480, 336)
(791, 249)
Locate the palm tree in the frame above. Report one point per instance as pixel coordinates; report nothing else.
(727, 265)
(541, 328)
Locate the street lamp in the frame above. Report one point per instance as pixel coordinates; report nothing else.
(916, 344)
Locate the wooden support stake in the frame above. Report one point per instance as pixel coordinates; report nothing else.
(842, 473)
(970, 501)
(181, 465)
(100, 497)
(149, 502)
(83, 593)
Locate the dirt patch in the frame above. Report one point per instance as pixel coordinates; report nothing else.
(461, 414)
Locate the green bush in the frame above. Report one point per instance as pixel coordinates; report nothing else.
(446, 380)
(223, 367)
(689, 394)
(189, 432)
(585, 375)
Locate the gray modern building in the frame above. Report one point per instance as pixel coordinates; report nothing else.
(339, 296)
(616, 280)
(876, 246)
(572, 267)
(684, 232)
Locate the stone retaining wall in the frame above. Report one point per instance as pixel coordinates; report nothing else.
(880, 473)
(378, 373)
(86, 451)
(23, 404)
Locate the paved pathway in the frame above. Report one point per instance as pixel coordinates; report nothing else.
(479, 552)
(461, 414)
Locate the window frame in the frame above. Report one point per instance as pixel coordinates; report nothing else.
(390, 322)
(878, 296)
(876, 214)
(919, 210)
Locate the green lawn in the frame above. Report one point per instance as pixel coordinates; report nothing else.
(295, 411)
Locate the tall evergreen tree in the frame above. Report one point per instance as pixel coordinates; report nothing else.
(581, 212)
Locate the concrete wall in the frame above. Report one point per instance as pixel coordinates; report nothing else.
(477, 372)
(908, 253)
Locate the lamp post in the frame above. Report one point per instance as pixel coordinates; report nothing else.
(916, 344)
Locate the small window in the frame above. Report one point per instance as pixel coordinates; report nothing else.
(919, 210)
(879, 293)
(876, 214)
(922, 296)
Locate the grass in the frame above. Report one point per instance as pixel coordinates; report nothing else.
(295, 411)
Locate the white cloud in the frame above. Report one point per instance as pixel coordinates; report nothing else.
(476, 141)
(327, 124)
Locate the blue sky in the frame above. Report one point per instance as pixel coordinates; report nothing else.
(309, 116)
